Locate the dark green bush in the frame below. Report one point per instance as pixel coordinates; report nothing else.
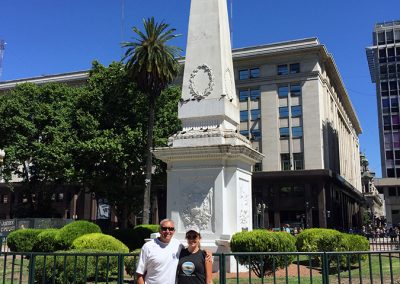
(67, 234)
(46, 241)
(22, 240)
(351, 242)
(65, 268)
(134, 238)
(98, 241)
(264, 241)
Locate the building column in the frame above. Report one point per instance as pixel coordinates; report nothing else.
(277, 219)
(322, 205)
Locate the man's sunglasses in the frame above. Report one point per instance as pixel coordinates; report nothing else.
(171, 229)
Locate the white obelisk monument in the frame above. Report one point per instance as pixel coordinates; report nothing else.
(209, 162)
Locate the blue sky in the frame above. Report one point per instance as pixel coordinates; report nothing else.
(56, 36)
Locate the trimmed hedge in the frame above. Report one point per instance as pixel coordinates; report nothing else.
(46, 241)
(328, 240)
(98, 241)
(22, 240)
(316, 239)
(67, 234)
(134, 238)
(264, 241)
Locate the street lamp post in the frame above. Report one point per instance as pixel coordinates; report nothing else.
(2, 155)
(260, 211)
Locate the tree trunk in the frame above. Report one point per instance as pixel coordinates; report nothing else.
(149, 161)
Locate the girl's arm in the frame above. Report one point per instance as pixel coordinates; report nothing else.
(208, 267)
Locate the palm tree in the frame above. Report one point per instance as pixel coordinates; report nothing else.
(152, 64)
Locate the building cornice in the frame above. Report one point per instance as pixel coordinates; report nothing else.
(56, 78)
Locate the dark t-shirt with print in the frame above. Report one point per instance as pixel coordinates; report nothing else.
(191, 267)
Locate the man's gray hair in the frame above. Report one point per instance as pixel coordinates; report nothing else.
(166, 220)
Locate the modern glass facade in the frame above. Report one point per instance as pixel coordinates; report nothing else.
(384, 63)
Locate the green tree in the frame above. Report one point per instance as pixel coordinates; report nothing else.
(152, 64)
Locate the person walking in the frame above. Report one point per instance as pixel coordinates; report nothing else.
(195, 265)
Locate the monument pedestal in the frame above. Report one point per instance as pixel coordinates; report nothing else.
(209, 185)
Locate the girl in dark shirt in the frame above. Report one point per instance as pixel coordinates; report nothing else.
(193, 268)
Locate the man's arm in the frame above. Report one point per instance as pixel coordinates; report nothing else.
(208, 267)
(140, 278)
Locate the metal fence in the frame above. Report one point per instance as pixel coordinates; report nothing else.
(330, 267)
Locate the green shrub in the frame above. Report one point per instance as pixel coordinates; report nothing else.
(65, 268)
(46, 241)
(98, 241)
(264, 241)
(67, 234)
(131, 263)
(134, 238)
(22, 240)
(352, 242)
(316, 239)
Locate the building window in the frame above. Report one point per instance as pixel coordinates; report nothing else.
(244, 115)
(284, 132)
(283, 91)
(283, 69)
(244, 132)
(258, 167)
(388, 141)
(255, 94)
(386, 122)
(296, 111)
(390, 173)
(392, 191)
(395, 104)
(249, 73)
(395, 121)
(294, 68)
(381, 38)
(297, 132)
(244, 74)
(283, 112)
(295, 90)
(396, 140)
(255, 114)
(389, 155)
(243, 95)
(397, 37)
(298, 161)
(389, 37)
(285, 162)
(385, 105)
(4, 199)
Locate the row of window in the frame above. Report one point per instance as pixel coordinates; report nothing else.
(389, 54)
(393, 154)
(385, 69)
(297, 132)
(295, 111)
(389, 88)
(282, 69)
(253, 94)
(392, 140)
(24, 198)
(391, 122)
(298, 162)
(255, 134)
(294, 89)
(394, 191)
(254, 114)
(388, 37)
(390, 105)
(393, 172)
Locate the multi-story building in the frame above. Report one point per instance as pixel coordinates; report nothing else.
(296, 111)
(384, 65)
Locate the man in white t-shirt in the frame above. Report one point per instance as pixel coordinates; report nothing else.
(159, 257)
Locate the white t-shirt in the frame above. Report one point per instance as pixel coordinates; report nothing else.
(158, 261)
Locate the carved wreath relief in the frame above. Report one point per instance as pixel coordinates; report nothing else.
(200, 87)
(198, 210)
